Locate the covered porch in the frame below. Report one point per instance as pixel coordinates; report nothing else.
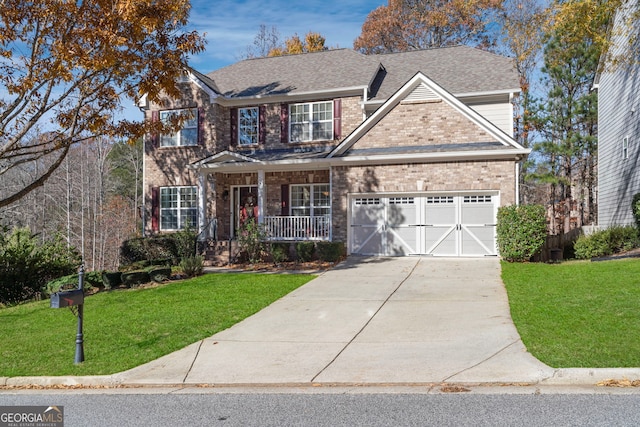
(289, 203)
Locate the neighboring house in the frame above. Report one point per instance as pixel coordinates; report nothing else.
(618, 86)
(397, 154)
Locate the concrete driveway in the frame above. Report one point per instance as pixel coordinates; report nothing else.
(408, 320)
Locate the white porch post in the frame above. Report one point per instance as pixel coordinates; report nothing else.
(261, 196)
(517, 201)
(202, 203)
(331, 204)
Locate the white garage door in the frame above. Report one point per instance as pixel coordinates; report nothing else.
(440, 225)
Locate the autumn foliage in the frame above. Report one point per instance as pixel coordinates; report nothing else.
(313, 42)
(405, 25)
(67, 66)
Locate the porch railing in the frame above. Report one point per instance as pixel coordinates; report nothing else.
(297, 227)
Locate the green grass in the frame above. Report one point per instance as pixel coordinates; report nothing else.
(126, 328)
(577, 314)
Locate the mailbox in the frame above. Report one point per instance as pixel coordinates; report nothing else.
(67, 298)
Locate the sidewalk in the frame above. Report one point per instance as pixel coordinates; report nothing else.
(368, 321)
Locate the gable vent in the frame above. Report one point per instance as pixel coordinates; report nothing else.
(422, 93)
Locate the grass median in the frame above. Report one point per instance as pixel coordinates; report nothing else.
(578, 313)
(126, 328)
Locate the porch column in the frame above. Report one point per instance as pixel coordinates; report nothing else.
(261, 196)
(202, 205)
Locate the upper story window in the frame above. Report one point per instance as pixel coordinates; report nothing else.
(311, 121)
(178, 207)
(248, 122)
(625, 147)
(187, 135)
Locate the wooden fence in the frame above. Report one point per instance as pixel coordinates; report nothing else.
(555, 246)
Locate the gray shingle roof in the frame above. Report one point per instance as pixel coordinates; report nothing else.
(459, 69)
(291, 74)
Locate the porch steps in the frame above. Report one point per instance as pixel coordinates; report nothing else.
(220, 252)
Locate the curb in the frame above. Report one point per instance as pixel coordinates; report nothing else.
(560, 377)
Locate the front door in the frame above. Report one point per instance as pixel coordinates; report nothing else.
(244, 206)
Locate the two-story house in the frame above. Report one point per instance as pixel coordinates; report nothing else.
(396, 154)
(618, 85)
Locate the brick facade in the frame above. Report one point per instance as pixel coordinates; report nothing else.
(408, 124)
(422, 124)
(433, 177)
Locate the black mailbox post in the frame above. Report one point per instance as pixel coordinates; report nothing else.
(71, 299)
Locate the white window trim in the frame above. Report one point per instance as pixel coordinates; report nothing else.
(311, 206)
(178, 208)
(310, 121)
(257, 127)
(178, 134)
(625, 148)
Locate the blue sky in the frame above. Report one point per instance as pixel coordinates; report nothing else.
(231, 25)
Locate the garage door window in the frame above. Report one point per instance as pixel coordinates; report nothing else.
(439, 200)
(477, 199)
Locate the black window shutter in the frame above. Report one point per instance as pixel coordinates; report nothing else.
(284, 123)
(155, 138)
(234, 127)
(262, 124)
(200, 126)
(337, 118)
(155, 209)
(284, 197)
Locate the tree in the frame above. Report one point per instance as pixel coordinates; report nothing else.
(405, 25)
(267, 43)
(264, 42)
(66, 67)
(567, 122)
(313, 42)
(578, 20)
(524, 24)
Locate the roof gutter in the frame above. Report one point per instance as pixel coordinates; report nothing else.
(327, 163)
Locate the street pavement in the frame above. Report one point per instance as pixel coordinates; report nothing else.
(368, 321)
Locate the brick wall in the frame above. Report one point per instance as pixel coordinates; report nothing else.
(420, 124)
(452, 176)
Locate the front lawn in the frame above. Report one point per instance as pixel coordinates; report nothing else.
(126, 328)
(579, 313)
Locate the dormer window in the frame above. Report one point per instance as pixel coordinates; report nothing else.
(312, 121)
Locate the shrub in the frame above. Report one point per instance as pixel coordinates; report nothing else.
(132, 279)
(111, 279)
(27, 265)
(635, 208)
(279, 252)
(92, 279)
(330, 251)
(521, 231)
(161, 274)
(606, 242)
(163, 249)
(185, 243)
(251, 241)
(304, 251)
(192, 266)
